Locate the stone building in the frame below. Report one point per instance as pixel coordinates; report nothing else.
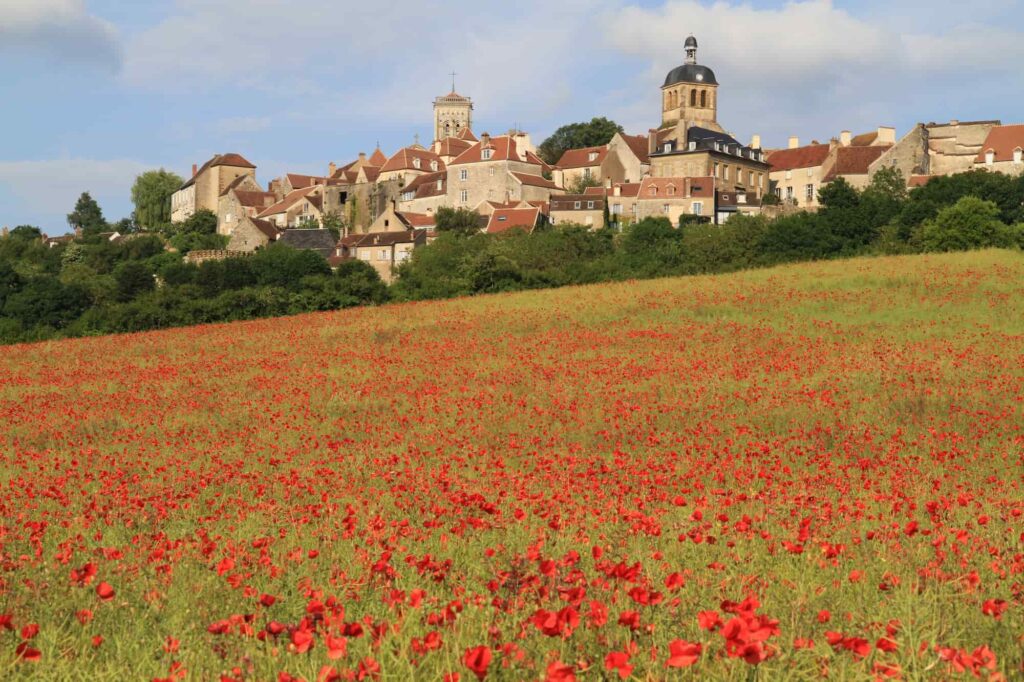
(453, 114)
(203, 189)
(249, 234)
(494, 169)
(796, 173)
(580, 165)
(621, 199)
(384, 251)
(298, 207)
(689, 96)
(243, 197)
(408, 163)
(578, 209)
(673, 197)
(1003, 150)
(937, 148)
(627, 161)
(425, 194)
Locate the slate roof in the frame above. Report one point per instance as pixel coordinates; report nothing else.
(690, 73)
(321, 241)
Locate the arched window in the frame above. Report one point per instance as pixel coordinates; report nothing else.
(447, 129)
(703, 98)
(693, 98)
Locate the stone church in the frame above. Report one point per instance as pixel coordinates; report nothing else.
(453, 115)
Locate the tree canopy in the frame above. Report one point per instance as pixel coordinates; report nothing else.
(597, 132)
(151, 195)
(87, 216)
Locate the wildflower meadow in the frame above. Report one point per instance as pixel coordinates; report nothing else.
(807, 472)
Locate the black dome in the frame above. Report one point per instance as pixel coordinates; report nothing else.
(690, 73)
(690, 42)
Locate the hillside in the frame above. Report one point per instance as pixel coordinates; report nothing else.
(814, 466)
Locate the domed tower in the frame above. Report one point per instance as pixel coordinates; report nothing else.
(690, 93)
(453, 113)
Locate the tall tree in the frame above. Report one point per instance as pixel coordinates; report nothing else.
(151, 195)
(87, 216)
(597, 132)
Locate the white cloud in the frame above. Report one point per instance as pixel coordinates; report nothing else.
(47, 189)
(59, 29)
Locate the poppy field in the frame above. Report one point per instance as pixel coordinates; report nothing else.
(801, 473)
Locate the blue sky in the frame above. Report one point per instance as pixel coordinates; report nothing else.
(95, 91)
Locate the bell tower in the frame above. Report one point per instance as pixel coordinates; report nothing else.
(453, 114)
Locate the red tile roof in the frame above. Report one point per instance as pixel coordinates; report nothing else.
(453, 146)
(534, 180)
(377, 158)
(298, 180)
(467, 134)
(289, 200)
(676, 188)
(1002, 140)
(230, 159)
(864, 140)
(426, 185)
(801, 157)
(580, 158)
(254, 199)
(503, 148)
(266, 227)
(505, 219)
(639, 145)
(854, 161)
(533, 158)
(406, 158)
(631, 189)
(416, 220)
(920, 180)
(371, 173)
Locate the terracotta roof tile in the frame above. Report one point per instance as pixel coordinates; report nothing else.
(406, 159)
(503, 148)
(289, 200)
(676, 188)
(639, 145)
(534, 180)
(853, 161)
(1002, 140)
(504, 219)
(426, 185)
(581, 158)
(252, 199)
(801, 157)
(377, 158)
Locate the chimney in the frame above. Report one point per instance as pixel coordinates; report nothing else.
(362, 157)
(195, 169)
(618, 190)
(755, 141)
(485, 140)
(886, 135)
(794, 142)
(331, 169)
(845, 138)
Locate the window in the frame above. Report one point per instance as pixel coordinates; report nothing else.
(440, 184)
(463, 175)
(809, 192)
(1017, 155)
(487, 154)
(778, 192)
(433, 165)
(577, 205)
(750, 177)
(725, 172)
(490, 171)
(664, 208)
(385, 254)
(703, 98)
(416, 163)
(228, 218)
(741, 198)
(616, 209)
(592, 156)
(590, 205)
(586, 173)
(693, 98)
(810, 172)
(698, 208)
(653, 191)
(671, 189)
(716, 170)
(789, 175)
(364, 254)
(990, 157)
(464, 196)
(789, 192)
(408, 196)
(693, 146)
(401, 256)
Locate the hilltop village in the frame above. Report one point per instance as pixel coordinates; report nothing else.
(385, 203)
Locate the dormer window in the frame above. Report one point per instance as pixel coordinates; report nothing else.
(990, 157)
(433, 165)
(654, 191)
(671, 190)
(440, 184)
(487, 154)
(592, 156)
(415, 163)
(1018, 153)
(693, 146)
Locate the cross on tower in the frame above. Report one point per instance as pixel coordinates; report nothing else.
(453, 74)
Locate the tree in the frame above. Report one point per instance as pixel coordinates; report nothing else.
(26, 233)
(458, 221)
(203, 221)
(133, 278)
(970, 223)
(151, 195)
(597, 132)
(580, 183)
(333, 222)
(87, 216)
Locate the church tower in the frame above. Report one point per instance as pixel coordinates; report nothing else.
(690, 93)
(453, 114)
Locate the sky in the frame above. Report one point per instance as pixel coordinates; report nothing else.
(94, 92)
